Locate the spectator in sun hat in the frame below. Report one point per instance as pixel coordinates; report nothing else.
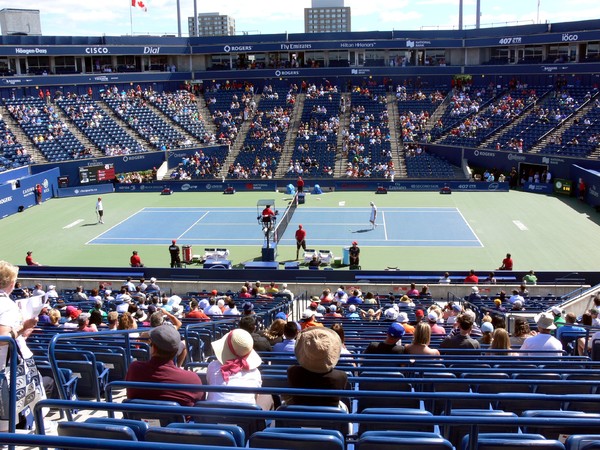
(559, 320)
(309, 319)
(152, 286)
(286, 291)
(474, 296)
(165, 342)
(544, 339)
(318, 351)
(51, 293)
(332, 311)
(236, 365)
(432, 319)
(392, 344)
(248, 309)
(403, 320)
(390, 314)
(352, 313)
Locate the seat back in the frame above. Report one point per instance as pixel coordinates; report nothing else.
(248, 424)
(301, 440)
(505, 436)
(96, 431)
(551, 431)
(583, 442)
(455, 433)
(238, 434)
(385, 442)
(518, 444)
(308, 422)
(151, 417)
(193, 436)
(397, 425)
(137, 426)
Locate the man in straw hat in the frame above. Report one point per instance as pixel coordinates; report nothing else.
(236, 365)
(164, 345)
(543, 340)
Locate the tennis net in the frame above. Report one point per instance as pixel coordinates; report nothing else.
(285, 218)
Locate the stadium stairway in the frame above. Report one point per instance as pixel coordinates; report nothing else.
(209, 125)
(290, 138)
(340, 159)
(439, 112)
(397, 145)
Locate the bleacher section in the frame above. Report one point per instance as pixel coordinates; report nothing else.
(131, 107)
(581, 138)
(549, 112)
(483, 123)
(316, 140)
(42, 125)
(100, 128)
(265, 140)
(12, 154)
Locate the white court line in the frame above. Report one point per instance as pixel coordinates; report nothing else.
(520, 225)
(72, 224)
(469, 225)
(193, 225)
(384, 225)
(114, 226)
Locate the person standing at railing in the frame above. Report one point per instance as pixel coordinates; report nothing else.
(31, 388)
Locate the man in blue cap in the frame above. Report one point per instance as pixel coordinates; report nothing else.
(391, 345)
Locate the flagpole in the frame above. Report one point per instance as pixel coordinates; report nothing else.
(130, 20)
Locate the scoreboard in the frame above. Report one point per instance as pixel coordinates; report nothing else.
(562, 186)
(96, 174)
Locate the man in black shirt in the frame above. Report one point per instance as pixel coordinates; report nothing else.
(462, 339)
(174, 251)
(392, 343)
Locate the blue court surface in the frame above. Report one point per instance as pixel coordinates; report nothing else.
(399, 227)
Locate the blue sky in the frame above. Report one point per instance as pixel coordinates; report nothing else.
(112, 17)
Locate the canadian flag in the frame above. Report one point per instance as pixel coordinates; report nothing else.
(139, 4)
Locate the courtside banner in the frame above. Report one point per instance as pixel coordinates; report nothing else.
(85, 190)
(422, 186)
(199, 186)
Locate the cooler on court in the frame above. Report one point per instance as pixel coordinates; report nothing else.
(301, 198)
(346, 256)
(186, 253)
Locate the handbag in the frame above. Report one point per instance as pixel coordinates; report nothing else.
(29, 385)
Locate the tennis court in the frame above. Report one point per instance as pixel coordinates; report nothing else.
(336, 226)
(416, 230)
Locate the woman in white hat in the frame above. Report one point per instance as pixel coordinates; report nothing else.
(236, 365)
